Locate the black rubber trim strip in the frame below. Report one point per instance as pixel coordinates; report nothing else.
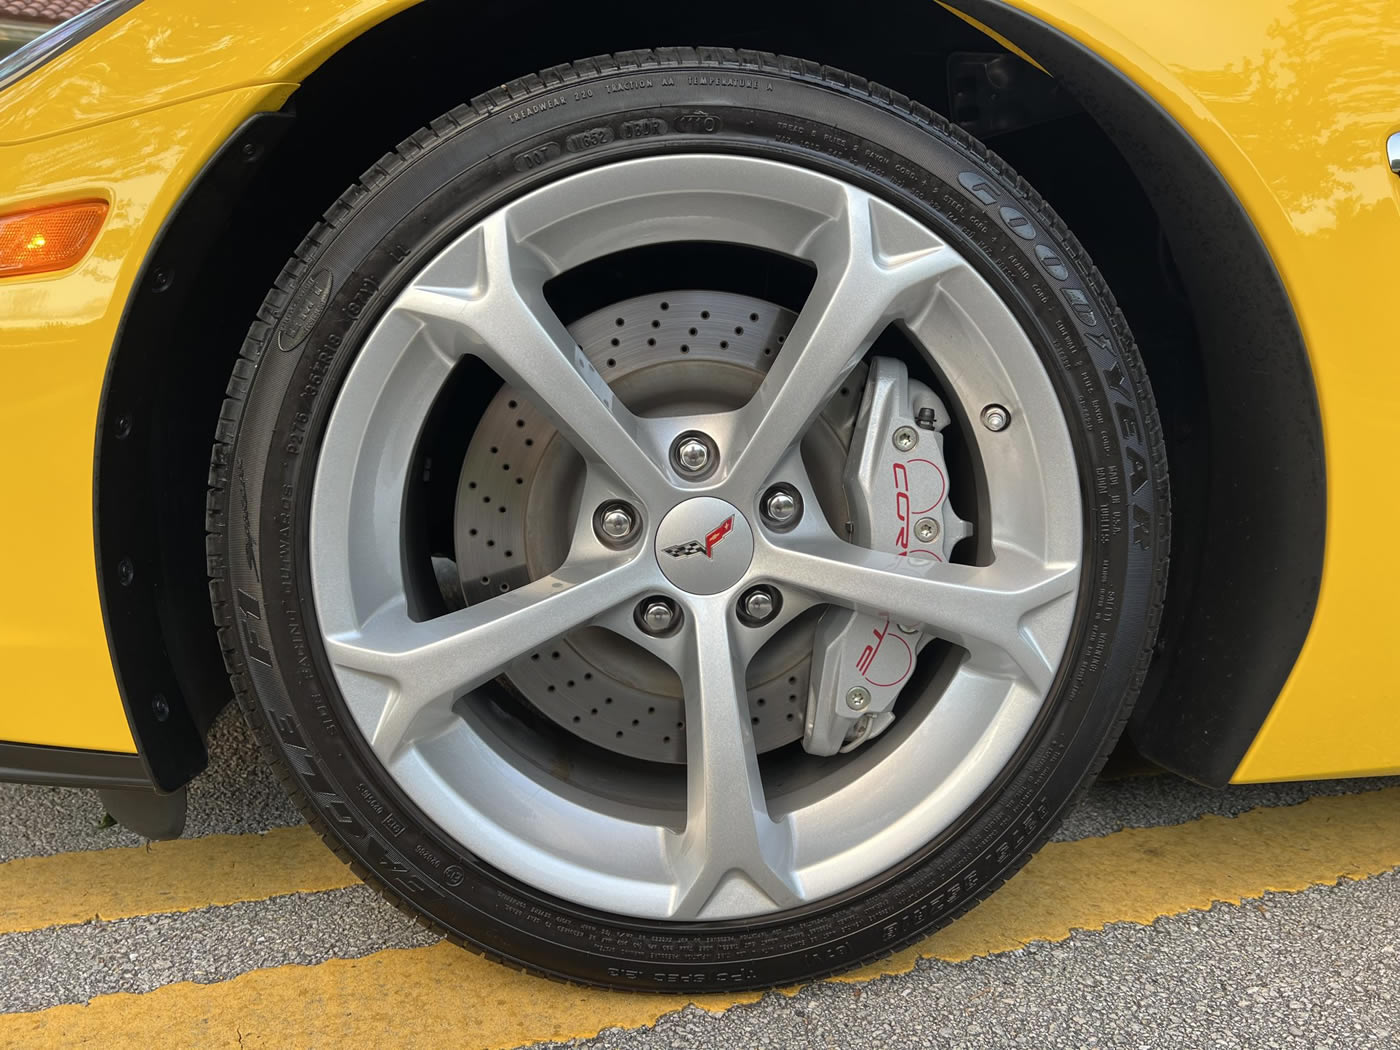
(1237, 617)
(119, 778)
(148, 813)
(72, 767)
(151, 640)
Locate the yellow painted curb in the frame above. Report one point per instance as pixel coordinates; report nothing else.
(165, 876)
(426, 996)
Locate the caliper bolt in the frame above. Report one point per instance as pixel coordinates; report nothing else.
(996, 417)
(693, 454)
(908, 628)
(905, 438)
(781, 507)
(658, 616)
(858, 699)
(926, 529)
(758, 605)
(857, 732)
(615, 522)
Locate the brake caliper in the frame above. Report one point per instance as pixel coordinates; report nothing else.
(897, 484)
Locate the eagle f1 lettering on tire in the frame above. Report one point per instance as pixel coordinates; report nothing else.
(250, 628)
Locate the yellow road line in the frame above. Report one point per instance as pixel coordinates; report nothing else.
(1139, 875)
(427, 996)
(165, 876)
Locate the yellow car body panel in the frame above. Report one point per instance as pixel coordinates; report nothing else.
(165, 52)
(56, 332)
(1291, 101)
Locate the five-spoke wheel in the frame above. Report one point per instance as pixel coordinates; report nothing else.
(695, 555)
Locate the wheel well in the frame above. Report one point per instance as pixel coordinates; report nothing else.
(224, 245)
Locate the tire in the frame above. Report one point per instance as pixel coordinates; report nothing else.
(530, 134)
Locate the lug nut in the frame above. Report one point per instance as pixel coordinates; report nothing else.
(926, 529)
(658, 616)
(781, 507)
(996, 417)
(694, 454)
(615, 523)
(905, 438)
(858, 699)
(758, 605)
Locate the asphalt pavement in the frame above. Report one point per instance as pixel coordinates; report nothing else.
(1163, 915)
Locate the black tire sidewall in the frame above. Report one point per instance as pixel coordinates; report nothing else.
(405, 211)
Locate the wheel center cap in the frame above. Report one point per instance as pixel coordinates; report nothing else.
(704, 545)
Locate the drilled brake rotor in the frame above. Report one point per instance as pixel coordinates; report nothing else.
(676, 353)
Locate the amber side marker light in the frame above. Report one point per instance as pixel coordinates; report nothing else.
(52, 238)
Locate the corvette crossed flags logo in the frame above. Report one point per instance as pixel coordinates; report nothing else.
(685, 550)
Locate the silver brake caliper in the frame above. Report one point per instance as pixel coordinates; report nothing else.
(897, 483)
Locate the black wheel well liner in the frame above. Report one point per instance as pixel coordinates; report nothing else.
(223, 245)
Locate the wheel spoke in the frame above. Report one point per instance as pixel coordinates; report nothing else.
(428, 665)
(485, 297)
(982, 608)
(730, 846)
(874, 265)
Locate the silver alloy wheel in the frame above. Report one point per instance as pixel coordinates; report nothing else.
(731, 849)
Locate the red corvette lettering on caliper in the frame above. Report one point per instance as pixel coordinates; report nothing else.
(897, 663)
(903, 511)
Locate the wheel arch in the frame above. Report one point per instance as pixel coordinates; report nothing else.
(224, 244)
(1248, 552)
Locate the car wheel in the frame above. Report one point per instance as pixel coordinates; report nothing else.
(688, 518)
